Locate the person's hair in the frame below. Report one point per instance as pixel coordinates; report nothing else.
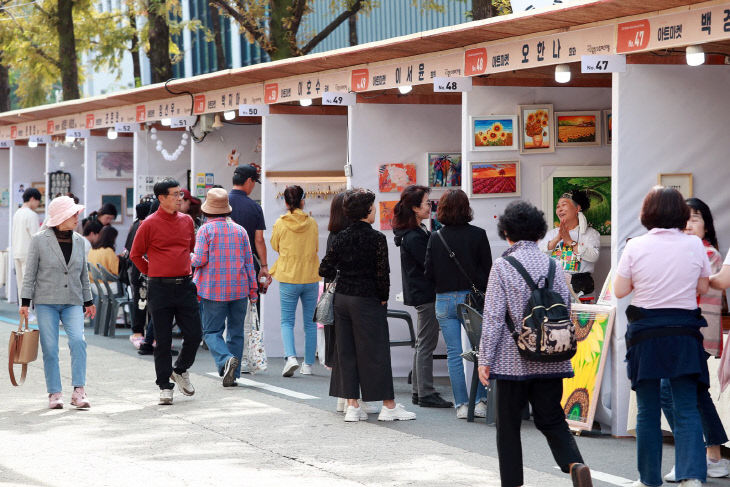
(338, 219)
(454, 209)
(154, 206)
(108, 209)
(521, 221)
(293, 196)
(357, 203)
(216, 215)
(701, 207)
(239, 179)
(107, 238)
(31, 193)
(194, 211)
(664, 208)
(161, 188)
(580, 197)
(143, 209)
(403, 214)
(92, 226)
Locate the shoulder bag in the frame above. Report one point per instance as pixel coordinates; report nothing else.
(22, 350)
(325, 311)
(475, 298)
(255, 353)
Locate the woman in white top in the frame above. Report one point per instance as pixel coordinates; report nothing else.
(574, 244)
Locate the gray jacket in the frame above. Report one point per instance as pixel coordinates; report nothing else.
(48, 279)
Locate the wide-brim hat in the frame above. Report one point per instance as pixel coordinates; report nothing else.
(61, 209)
(216, 202)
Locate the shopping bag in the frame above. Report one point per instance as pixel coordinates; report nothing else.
(255, 353)
(22, 350)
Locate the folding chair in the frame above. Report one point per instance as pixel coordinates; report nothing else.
(99, 320)
(471, 320)
(117, 299)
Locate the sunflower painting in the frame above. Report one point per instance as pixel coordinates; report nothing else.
(495, 132)
(537, 129)
(593, 325)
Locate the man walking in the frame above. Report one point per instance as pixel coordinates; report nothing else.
(167, 238)
(25, 225)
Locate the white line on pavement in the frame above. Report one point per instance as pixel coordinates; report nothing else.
(610, 479)
(270, 388)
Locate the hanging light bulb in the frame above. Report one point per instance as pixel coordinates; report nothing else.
(166, 122)
(562, 73)
(69, 139)
(111, 133)
(405, 89)
(695, 55)
(32, 144)
(305, 102)
(229, 115)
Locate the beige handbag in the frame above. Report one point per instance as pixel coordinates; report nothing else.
(23, 349)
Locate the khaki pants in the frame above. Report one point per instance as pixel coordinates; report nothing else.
(19, 272)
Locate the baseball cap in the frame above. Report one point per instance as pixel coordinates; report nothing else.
(248, 171)
(189, 197)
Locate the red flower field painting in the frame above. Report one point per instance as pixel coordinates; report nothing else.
(495, 179)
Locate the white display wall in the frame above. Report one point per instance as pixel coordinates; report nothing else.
(668, 119)
(70, 160)
(5, 212)
(295, 143)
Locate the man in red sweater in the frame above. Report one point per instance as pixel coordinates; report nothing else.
(161, 250)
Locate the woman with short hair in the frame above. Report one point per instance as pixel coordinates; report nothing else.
(103, 250)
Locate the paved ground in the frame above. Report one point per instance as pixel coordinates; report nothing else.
(269, 431)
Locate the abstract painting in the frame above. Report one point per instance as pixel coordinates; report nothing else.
(444, 170)
(393, 178)
(386, 214)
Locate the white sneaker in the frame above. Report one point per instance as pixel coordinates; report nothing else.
(480, 410)
(398, 413)
(290, 366)
(165, 397)
(639, 483)
(462, 411)
(353, 415)
(306, 369)
(183, 382)
(718, 469)
(672, 476)
(690, 483)
(370, 407)
(341, 404)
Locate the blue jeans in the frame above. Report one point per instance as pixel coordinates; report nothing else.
(689, 450)
(72, 317)
(289, 296)
(451, 330)
(214, 314)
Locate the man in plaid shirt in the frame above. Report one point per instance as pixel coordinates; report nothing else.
(225, 277)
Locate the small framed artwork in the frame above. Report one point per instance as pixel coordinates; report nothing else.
(607, 127)
(578, 128)
(444, 170)
(394, 178)
(433, 220)
(114, 165)
(494, 132)
(681, 181)
(386, 214)
(493, 179)
(537, 133)
(130, 202)
(40, 186)
(116, 200)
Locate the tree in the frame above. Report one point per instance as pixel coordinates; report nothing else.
(159, 41)
(485, 9)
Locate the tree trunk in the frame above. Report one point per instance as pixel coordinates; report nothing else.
(220, 54)
(135, 50)
(352, 26)
(281, 41)
(482, 9)
(4, 86)
(68, 62)
(159, 53)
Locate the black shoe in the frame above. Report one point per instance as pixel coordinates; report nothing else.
(145, 349)
(414, 399)
(580, 474)
(174, 352)
(234, 384)
(434, 401)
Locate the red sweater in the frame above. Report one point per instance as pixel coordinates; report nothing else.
(167, 240)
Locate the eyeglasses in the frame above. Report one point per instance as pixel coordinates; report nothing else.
(177, 194)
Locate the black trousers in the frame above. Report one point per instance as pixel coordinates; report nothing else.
(139, 316)
(363, 350)
(168, 301)
(544, 395)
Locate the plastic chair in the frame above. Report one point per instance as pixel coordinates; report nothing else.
(99, 320)
(95, 296)
(405, 316)
(471, 320)
(117, 300)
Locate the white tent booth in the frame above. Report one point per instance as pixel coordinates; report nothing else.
(6, 213)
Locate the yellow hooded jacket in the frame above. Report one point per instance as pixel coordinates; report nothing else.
(296, 238)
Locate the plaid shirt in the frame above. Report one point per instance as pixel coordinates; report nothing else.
(223, 262)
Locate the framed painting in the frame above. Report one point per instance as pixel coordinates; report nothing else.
(494, 179)
(433, 220)
(606, 296)
(682, 182)
(577, 129)
(494, 132)
(114, 165)
(537, 129)
(130, 201)
(40, 186)
(393, 178)
(444, 170)
(593, 327)
(595, 180)
(116, 200)
(386, 214)
(607, 126)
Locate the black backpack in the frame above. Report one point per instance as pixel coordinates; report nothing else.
(547, 333)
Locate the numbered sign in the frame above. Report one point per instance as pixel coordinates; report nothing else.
(253, 110)
(338, 98)
(78, 133)
(40, 139)
(125, 127)
(441, 85)
(6, 144)
(182, 122)
(603, 64)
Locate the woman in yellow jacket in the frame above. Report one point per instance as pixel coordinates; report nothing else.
(295, 238)
(102, 251)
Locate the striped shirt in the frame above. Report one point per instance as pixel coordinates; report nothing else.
(223, 262)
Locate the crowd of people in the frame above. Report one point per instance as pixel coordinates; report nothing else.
(201, 266)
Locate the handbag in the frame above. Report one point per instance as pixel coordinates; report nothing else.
(22, 349)
(475, 298)
(255, 352)
(324, 312)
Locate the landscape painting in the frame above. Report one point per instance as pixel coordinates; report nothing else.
(578, 128)
(490, 179)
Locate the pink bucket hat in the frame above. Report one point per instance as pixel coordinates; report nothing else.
(61, 209)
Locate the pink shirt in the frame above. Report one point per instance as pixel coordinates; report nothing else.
(664, 266)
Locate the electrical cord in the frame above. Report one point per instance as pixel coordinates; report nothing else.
(196, 139)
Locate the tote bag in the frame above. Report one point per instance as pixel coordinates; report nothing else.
(255, 353)
(22, 350)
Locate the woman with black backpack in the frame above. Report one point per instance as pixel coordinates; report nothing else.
(521, 375)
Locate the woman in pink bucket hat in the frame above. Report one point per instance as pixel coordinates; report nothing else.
(57, 283)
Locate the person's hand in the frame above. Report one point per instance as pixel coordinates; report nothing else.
(383, 303)
(254, 299)
(24, 312)
(484, 375)
(90, 311)
(564, 233)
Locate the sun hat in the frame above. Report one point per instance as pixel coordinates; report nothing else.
(216, 203)
(61, 209)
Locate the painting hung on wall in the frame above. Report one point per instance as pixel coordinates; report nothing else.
(116, 200)
(114, 165)
(537, 129)
(593, 325)
(444, 170)
(433, 220)
(490, 179)
(495, 132)
(607, 126)
(682, 182)
(130, 202)
(596, 181)
(394, 178)
(386, 214)
(578, 128)
(40, 186)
